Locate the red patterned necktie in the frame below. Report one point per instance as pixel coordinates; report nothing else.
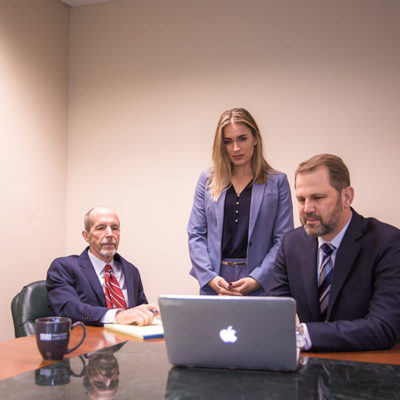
(113, 292)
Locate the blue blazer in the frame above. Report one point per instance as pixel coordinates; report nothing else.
(271, 216)
(74, 290)
(364, 301)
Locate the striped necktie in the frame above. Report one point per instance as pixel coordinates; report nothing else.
(325, 270)
(113, 292)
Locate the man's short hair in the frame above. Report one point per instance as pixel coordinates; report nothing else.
(87, 222)
(339, 176)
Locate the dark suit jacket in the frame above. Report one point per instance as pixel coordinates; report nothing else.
(364, 301)
(74, 290)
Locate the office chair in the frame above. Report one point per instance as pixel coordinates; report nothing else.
(30, 303)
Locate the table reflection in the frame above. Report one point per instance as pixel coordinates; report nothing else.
(101, 377)
(57, 374)
(371, 380)
(316, 379)
(142, 371)
(99, 373)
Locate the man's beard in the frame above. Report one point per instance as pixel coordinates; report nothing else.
(326, 226)
(108, 253)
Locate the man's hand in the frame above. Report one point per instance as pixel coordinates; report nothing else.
(140, 315)
(222, 287)
(245, 286)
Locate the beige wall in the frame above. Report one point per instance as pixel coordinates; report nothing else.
(150, 79)
(33, 121)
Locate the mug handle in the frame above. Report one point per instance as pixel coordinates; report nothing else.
(83, 369)
(79, 323)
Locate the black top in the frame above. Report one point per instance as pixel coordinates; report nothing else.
(236, 222)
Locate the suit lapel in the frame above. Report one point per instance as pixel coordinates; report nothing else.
(345, 258)
(307, 258)
(219, 213)
(257, 194)
(128, 273)
(88, 270)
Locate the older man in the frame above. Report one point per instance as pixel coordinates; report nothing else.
(342, 269)
(99, 286)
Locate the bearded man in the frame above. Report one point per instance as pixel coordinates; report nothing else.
(342, 269)
(98, 286)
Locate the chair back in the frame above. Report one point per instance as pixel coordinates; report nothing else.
(30, 303)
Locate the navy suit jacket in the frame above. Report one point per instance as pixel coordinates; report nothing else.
(74, 290)
(364, 301)
(271, 216)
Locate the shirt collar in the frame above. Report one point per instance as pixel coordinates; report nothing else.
(338, 238)
(99, 264)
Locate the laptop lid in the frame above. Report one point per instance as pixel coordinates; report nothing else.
(230, 332)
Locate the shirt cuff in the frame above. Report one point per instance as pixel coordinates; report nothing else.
(109, 316)
(306, 337)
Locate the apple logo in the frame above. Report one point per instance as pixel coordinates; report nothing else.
(228, 335)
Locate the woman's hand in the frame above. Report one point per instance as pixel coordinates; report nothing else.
(245, 285)
(222, 287)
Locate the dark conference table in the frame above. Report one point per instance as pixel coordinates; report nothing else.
(112, 365)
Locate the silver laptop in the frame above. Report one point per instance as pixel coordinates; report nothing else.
(230, 332)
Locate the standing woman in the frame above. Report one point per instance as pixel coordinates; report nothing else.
(241, 210)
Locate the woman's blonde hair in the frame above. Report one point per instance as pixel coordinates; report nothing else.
(221, 175)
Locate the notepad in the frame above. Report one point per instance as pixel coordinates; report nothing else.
(153, 331)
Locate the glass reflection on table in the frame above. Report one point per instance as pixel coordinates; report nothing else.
(57, 374)
(316, 379)
(140, 370)
(101, 376)
(99, 373)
